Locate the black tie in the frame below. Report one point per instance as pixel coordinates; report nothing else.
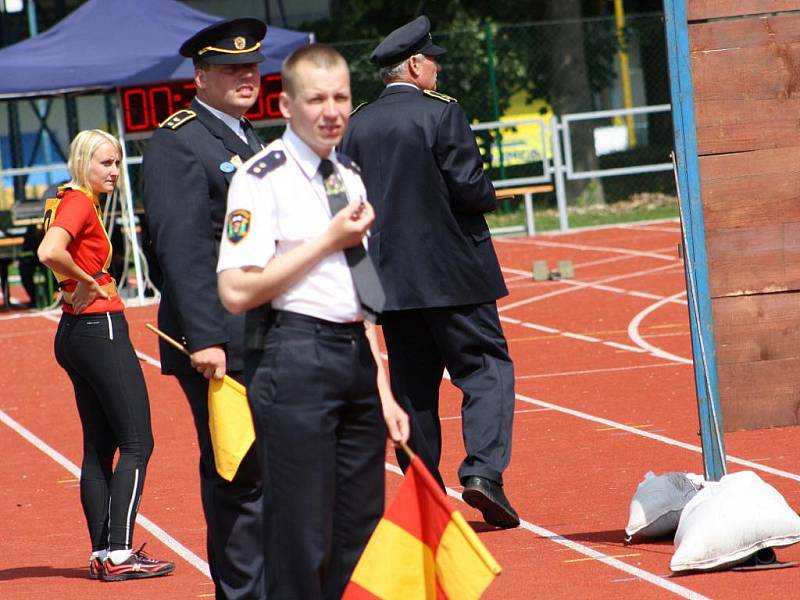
(365, 278)
(250, 134)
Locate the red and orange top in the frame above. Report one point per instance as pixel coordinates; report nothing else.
(77, 211)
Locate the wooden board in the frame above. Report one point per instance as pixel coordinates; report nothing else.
(758, 367)
(760, 394)
(754, 328)
(754, 260)
(751, 213)
(714, 9)
(751, 188)
(746, 78)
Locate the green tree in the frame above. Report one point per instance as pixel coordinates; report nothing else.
(563, 61)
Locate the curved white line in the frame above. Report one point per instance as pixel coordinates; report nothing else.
(636, 337)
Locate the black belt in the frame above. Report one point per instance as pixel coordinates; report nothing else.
(284, 317)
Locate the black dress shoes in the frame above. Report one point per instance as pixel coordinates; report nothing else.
(488, 497)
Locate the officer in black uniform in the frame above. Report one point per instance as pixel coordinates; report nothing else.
(188, 164)
(430, 241)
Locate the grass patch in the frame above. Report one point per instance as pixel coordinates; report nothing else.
(642, 207)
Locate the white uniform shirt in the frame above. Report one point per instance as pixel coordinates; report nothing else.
(280, 205)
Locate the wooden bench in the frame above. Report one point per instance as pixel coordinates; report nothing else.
(528, 191)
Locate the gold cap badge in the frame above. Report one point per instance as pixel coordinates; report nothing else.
(239, 42)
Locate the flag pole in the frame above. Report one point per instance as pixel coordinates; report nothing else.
(166, 338)
(409, 452)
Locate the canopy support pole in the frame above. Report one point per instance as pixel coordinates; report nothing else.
(127, 192)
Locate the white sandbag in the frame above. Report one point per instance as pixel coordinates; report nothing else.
(657, 504)
(728, 521)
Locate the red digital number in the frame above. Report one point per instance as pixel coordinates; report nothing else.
(160, 104)
(146, 107)
(271, 88)
(134, 103)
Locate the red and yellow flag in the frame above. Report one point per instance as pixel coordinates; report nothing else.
(422, 548)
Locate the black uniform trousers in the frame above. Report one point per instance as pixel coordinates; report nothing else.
(232, 509)
(322, 444)
(469, 342)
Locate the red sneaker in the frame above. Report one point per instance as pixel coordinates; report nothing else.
(137, 566)
(95, 568)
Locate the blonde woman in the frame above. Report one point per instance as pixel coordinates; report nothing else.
(93, 347)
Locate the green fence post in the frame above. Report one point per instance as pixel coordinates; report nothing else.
(487, 28)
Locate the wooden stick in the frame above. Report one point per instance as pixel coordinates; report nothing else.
(407, 450)
(166, 338)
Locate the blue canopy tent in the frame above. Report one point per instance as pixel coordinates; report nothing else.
(105, 45)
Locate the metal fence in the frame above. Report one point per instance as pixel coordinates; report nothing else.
(555, 165)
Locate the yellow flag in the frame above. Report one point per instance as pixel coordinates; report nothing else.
(231, 424)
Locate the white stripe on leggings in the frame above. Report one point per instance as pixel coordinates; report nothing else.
(130, 509)
(110, 327)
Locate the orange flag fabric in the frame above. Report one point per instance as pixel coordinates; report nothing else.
(422, 549)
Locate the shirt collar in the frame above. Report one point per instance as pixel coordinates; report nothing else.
(230, 121)
(396, 83)
(306, 158)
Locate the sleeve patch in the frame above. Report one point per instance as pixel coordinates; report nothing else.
(439, 96)
(237, 225)
(179, 118)
(267, 163)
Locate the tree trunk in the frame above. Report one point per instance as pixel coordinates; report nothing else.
(570, 92)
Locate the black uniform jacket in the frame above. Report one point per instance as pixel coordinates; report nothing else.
(424, 176)
(187, 170)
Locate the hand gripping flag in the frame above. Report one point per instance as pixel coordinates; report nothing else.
(229, 419)
(422, 549)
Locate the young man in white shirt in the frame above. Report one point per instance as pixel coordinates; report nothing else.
(320, 399)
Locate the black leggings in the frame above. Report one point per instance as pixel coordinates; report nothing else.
(114, 409)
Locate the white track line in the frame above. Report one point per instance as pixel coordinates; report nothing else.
(587, 551)
(596, 285)
(576, 336)
(636, 337)
(590, 248)
(574, 230)
(654, 436)
(169, 541)
(593, 371)
(611, 259)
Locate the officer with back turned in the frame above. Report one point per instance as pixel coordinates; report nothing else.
(430, 242)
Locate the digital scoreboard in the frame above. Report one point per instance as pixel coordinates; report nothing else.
(144, 107)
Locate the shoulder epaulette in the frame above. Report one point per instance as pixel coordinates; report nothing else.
(179, 118)
(348, 162)
(358, 108)
(439, 96)
(268, 162)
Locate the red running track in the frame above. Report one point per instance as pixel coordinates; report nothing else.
(605, 393)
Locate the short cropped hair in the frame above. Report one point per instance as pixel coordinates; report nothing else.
(394, 72)
(320, 55)
(81, 151)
